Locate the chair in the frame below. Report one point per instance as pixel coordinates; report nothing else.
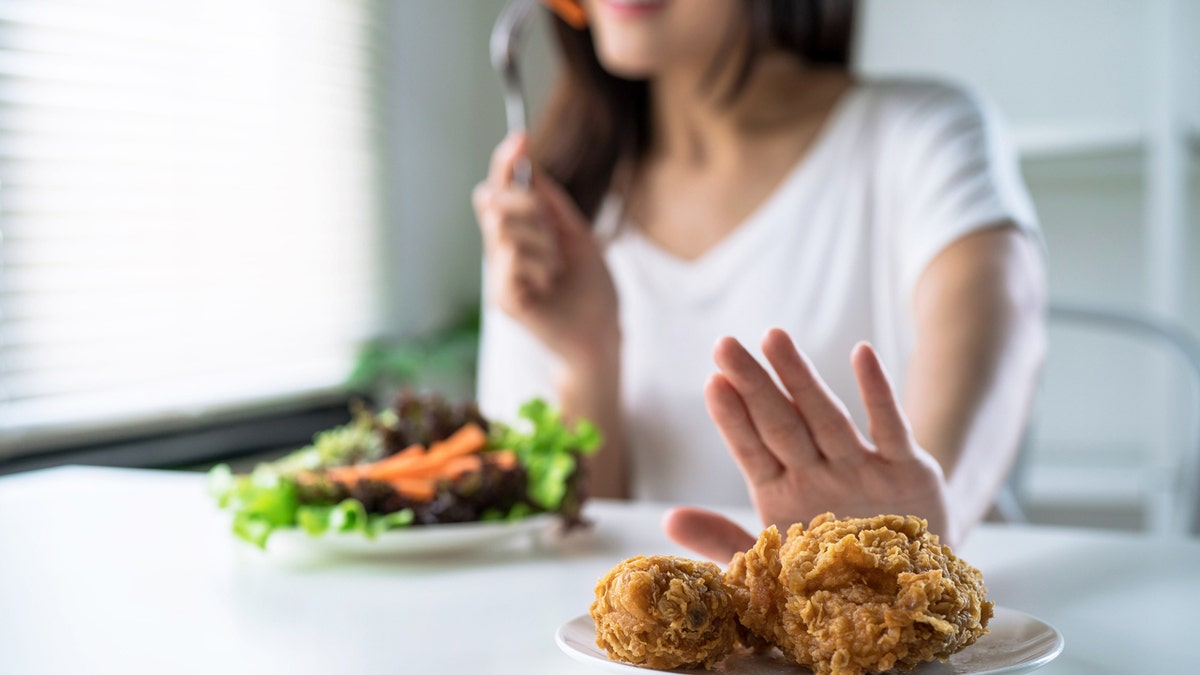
(1172, 492)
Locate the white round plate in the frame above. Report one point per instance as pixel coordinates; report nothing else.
(1017, 643)
(415, 541)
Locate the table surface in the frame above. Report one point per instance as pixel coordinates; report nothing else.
(123, 571)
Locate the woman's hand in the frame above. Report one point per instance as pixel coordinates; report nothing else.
(801, 454)
(544, 268)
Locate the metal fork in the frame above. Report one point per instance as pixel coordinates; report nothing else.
(506, 37)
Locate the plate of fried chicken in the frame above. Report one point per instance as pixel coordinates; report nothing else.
(839, 597)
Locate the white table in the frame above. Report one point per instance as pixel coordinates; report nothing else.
(119, 571)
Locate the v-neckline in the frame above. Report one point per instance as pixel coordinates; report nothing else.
(759, 216)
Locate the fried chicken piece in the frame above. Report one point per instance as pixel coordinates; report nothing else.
(664, 612)
(753, 582)
(860, 595)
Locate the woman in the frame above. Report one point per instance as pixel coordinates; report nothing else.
(709, 171)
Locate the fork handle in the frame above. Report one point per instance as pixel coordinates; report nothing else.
(522, 175)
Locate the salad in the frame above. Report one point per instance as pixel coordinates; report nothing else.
(421, 462)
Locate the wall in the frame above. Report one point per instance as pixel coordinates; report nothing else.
(443, 109)
(1083, 85)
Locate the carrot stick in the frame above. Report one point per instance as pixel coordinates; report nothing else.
(466, 441)
(451, 468)
(398, 459)
(420, 489)
(505, 459)
(345, 474)
(570, 11)
(469, 438)
(413, 450)
(352, 474)
(414, 471)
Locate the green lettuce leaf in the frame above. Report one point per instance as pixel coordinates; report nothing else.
(548, 449)
(261, 502)
(265, 501)
(350, 516)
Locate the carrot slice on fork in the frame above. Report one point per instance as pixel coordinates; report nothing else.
(570, 11)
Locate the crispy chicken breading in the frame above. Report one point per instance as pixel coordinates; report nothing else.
(861, 595)
(753, 582)
(664, 612)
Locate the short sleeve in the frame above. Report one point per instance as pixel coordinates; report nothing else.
(513, 366)
(958, 172)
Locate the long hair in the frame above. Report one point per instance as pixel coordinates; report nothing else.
(594, 119)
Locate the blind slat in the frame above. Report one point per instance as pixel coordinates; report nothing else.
(187, 204)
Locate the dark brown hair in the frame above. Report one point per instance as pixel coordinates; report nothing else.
(594, 119)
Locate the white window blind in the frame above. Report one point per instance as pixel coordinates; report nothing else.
(187, 205)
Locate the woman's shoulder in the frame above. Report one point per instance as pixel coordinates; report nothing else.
(909, 114)
(906, 95)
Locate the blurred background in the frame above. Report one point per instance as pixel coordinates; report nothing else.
(222, 219)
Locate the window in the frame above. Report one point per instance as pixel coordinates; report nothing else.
(188, 205)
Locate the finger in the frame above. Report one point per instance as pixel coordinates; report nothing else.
(535, 273)
(481, 194)
(709, 534)
(822, 411)
(504, 157)
(495, 206)
(530, 243)
(526, 264)
(886, 421)
(511, 217)
(562, 208)
(517, 214)
(522, 276)
(772, 414)
(727, 411)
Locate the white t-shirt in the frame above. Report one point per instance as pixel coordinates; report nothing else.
(899, 171)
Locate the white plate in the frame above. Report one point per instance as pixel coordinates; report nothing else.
(1017, 643)
(415, 541)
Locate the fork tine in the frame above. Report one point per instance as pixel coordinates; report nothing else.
(506, 33)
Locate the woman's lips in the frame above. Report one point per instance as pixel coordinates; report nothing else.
(629, 9)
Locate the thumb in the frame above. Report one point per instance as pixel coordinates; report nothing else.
(710, 534)
(505, 157)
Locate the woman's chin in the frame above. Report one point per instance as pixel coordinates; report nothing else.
(630, 64)
(628, 71)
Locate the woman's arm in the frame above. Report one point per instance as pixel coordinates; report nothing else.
(979, 309)
(592, 391)
(980, 327)
(546, 271)
(584, 301)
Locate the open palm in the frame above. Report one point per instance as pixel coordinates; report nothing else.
(801, 453)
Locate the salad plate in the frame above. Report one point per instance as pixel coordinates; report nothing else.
(424, 540)
(421, 477)
(1016, 643)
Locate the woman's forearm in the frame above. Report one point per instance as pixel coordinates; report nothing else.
(980, 311)
(974, 426)
(591, 390)
(992, 441)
